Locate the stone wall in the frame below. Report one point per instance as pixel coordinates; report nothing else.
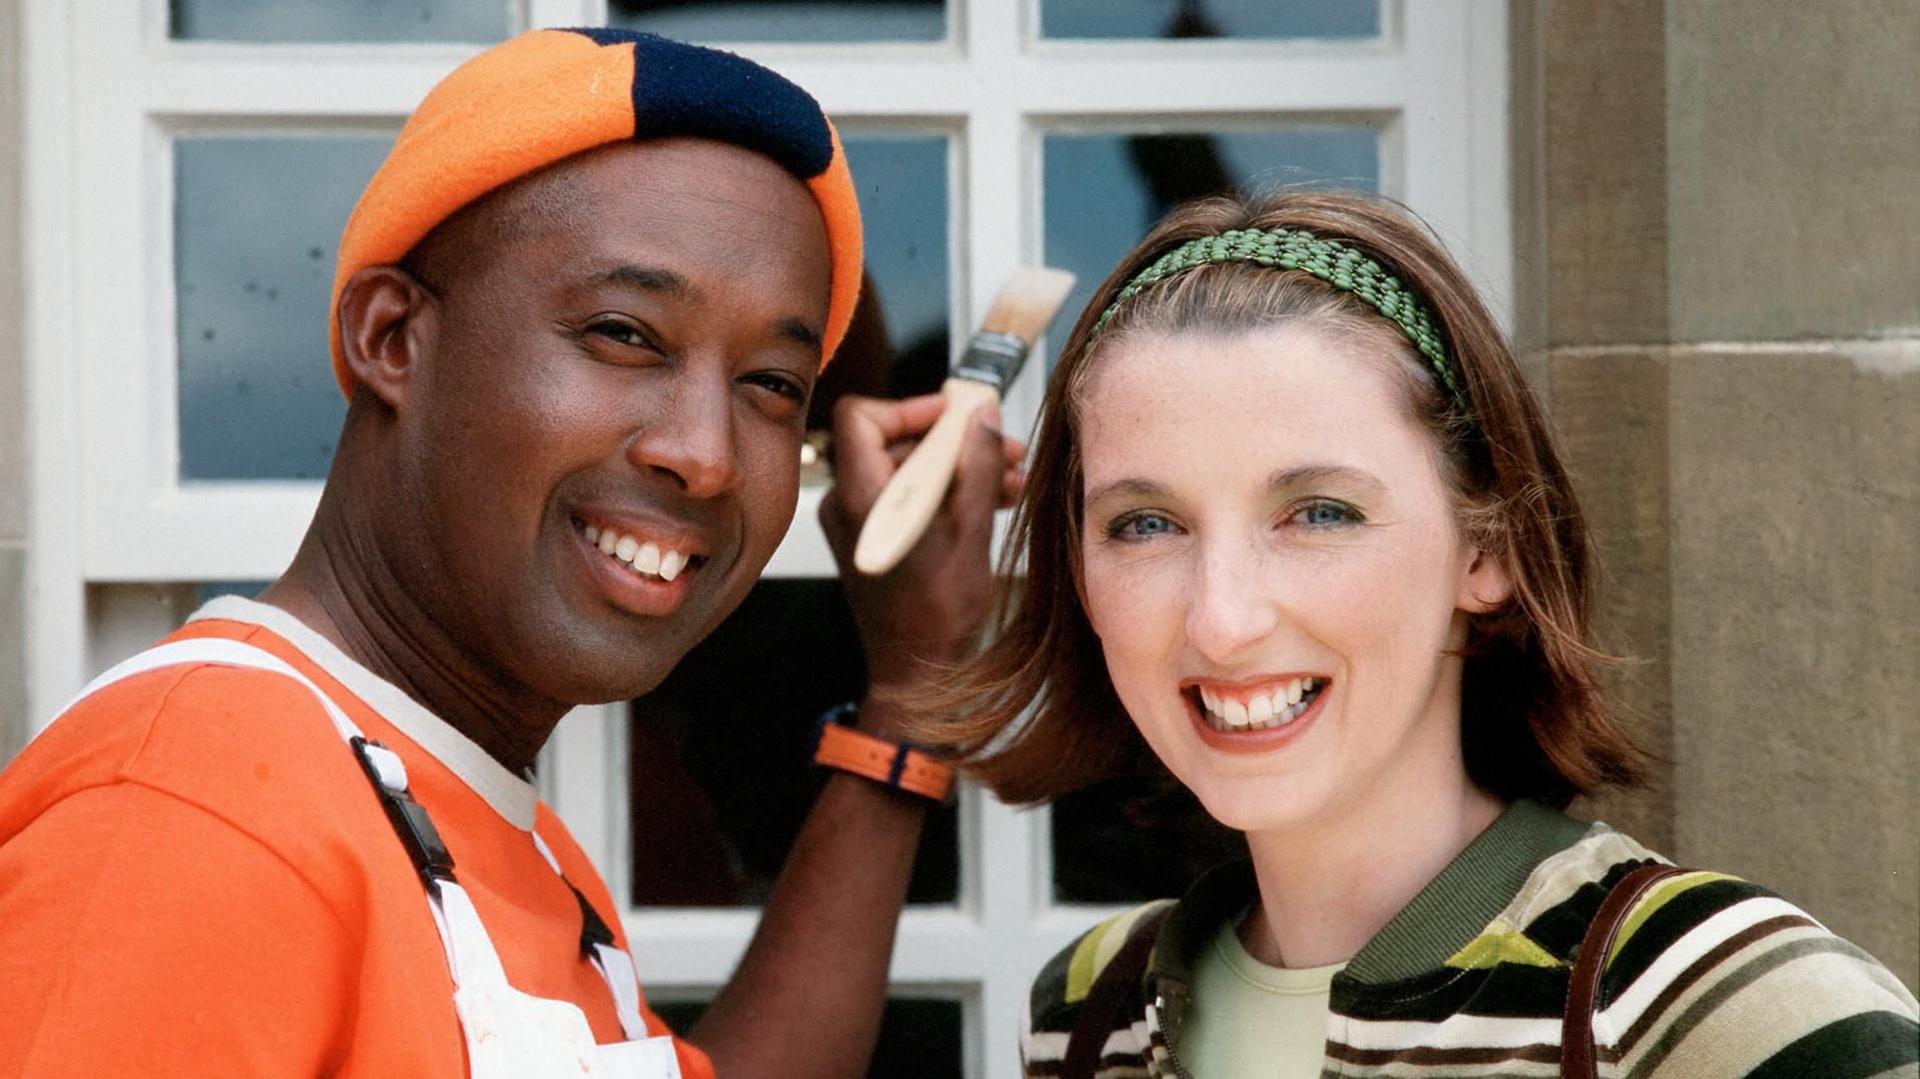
(1719, 280)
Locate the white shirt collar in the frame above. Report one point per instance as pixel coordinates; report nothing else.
(511, 796)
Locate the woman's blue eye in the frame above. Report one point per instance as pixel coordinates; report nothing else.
(1326, 513)
(1139, 525)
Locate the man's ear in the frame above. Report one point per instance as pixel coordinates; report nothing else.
(386, 326)
(1486, 586)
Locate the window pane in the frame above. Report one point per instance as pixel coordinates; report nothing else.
(1104, 191)
(340, 20)
(719, 768)
(256, 222)
(897, 345)
(920, 1037)
(784, 20)
(1337, 19)
(1128, 841)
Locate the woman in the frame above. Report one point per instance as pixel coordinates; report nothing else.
(1296, 526)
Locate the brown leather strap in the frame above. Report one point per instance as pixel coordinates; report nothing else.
(1095, 1022)
(1578, 1057)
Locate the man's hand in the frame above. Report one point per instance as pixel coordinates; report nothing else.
(929, 608)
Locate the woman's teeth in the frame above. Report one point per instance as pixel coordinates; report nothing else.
(1280, 705)
(647, 559)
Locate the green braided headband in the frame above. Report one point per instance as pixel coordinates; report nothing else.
(1329, 260)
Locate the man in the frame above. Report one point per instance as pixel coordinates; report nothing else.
(578, 316)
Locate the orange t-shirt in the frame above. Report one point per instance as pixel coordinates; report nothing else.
(196, 878)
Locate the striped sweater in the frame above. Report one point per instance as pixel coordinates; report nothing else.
(1709, 976)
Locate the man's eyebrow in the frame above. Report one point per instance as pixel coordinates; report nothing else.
(650, 278)
(654, 279)
(795, 330)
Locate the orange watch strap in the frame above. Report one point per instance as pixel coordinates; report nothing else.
(890, 764)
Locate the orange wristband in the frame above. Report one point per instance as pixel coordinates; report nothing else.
(891, 764)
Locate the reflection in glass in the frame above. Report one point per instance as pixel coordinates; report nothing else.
(256, 221)
(720, 778)
(784, 20)
(1104, 191)
(1335, 19)
(919, 1036)
(340, 20)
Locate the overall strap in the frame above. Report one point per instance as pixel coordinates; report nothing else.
(1578, 1057)
(220, 652)
(598, 947)
(469, 951)
(1094, 1023)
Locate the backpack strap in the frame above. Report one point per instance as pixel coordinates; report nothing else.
(1094, 1023)
(1578, 1057)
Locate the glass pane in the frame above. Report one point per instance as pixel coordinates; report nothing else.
(919, 1036)
(784, 20)
(1336, 19)
(1104, 191)
(340, 20)
(1128, 841)
(897, 345)
(256, 221)
(719, 769)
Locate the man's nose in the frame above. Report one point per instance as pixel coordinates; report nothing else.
(690, 436)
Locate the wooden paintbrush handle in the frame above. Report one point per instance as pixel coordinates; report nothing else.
(910, 499)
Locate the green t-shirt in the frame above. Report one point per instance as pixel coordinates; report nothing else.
(1251, 1020)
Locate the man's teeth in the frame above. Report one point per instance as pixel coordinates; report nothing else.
(647, 558)
(1278, 706)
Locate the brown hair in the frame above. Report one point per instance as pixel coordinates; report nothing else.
(1534, 721)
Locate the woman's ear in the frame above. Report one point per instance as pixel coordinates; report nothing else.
(1485, 586)
(386, 326)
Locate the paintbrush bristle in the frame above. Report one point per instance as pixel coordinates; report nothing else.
(1026, 305)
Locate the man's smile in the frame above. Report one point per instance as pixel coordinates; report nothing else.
(648, 555)
(639, 567)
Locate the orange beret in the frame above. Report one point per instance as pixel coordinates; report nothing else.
(549, 94)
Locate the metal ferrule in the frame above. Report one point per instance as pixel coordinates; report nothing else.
(992, 358)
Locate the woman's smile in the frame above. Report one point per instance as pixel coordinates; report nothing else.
(1263, 705)
(1257, 723)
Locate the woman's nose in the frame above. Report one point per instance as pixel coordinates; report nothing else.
(1231, 610)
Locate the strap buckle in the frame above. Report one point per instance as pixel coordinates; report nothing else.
(409, 818)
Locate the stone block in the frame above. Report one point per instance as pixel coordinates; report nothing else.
(1611, 411)
(1795, 607)
(1793, 153)
(1603, 119)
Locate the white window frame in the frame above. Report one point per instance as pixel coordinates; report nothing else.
(105, 90)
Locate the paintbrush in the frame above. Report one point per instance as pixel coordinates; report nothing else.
(1021, 311)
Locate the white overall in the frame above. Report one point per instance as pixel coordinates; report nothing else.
(509, 1034)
